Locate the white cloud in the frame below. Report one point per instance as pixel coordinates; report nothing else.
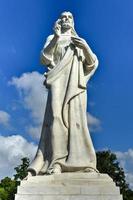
(34, 131)
(33, 96)
(126, 161)
(126, 158)
(4, 118)
(33, 93)
(129, 178)
(12, 149)
(93, 123)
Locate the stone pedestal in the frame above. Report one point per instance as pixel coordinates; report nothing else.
(69, 186)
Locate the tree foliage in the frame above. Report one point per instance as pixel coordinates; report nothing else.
(8, 187)
(21, 170)
(107, 163)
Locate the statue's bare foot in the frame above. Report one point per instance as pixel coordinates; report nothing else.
(28, 176)
(91, 170)
(57, 169)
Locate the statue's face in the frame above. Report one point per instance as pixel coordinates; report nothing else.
(66, 20)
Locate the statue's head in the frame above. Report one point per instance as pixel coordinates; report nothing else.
(67, 22)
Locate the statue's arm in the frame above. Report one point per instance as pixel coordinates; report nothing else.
(48, 50)
(90, 57)
(90, 60)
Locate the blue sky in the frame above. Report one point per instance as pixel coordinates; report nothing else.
(107, 27)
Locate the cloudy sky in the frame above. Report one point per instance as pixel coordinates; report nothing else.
(107, 27)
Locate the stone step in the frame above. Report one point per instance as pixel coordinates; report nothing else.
(69, 190)
(67, 197)
(67, 182)
(71, 176)
(69, 186)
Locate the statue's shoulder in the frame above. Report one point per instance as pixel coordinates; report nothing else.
(49, 38)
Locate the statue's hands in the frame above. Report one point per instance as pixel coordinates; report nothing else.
(79, 42)
(57, 28)
(82, 44)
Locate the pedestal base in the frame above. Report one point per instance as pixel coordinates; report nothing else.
(69, 186)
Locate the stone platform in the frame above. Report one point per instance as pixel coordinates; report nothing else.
(69, 186)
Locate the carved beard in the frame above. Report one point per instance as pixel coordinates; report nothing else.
(66, 25)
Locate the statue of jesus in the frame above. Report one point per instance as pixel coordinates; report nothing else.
(65, 144)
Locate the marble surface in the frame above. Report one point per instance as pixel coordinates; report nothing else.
(69, 186)
(65, 144)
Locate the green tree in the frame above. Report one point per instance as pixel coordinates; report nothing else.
(129, 195)
(8, 187)
(107, 163)
(21, 170)
(3, 194)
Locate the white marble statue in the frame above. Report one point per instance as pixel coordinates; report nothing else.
(65, 143)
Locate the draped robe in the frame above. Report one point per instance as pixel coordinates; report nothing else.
(65, 138)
